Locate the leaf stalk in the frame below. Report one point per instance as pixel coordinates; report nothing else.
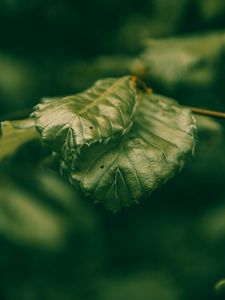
(206, 112)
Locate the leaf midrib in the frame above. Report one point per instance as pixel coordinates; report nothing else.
(98, 99)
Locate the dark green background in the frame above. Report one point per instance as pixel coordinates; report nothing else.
(54, 244)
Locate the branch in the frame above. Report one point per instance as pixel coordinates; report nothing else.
(205, 112)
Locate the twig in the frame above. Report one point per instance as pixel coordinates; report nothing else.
(206, 112)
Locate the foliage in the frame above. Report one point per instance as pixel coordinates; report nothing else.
(114, 154)
(54, 242)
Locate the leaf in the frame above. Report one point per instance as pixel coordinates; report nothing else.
(39, 209)
(189, 66)
(104, 111)
(119, 173)
(14, 134)
(220, 287)
(25, 220)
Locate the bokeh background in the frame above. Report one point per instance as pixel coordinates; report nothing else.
(56, 245)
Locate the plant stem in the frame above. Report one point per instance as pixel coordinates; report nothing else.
(206, 112)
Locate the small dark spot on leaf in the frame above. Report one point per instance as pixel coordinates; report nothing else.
(137, 141)
(102, 167)
(91, 127)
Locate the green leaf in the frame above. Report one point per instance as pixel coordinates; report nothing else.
(25, 220)
(39, 209)
(14, 134)
(175, 60)
(104, 111)
(119, 173)
(220, 287)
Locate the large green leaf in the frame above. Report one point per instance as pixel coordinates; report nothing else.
(104, 111)
(119, 173)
